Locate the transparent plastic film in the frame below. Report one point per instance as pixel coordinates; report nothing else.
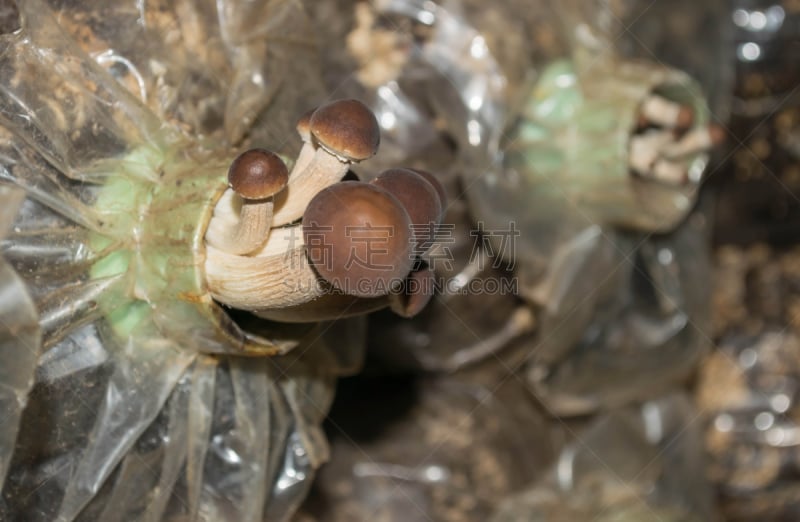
(67, 108)
(631, 325)
(474, 315)
(550, 140)
(448, 449)
(428, 72)
(119, 123)
(20, 338)
(173, 436)
(212, 68)
(675, 33)
(639, 463)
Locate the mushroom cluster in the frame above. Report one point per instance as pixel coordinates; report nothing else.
(306, 246)
(663, 141)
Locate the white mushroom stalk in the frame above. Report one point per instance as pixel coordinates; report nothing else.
(308, 149)
(277, 276)
(662, 144)
(645, 149)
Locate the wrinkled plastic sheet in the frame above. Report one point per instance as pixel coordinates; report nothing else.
(452, 75)
(435, 449)
(624, 317)
(628, 465)
(449, 75)
(476, 314)
(136, 411)
(20, 338)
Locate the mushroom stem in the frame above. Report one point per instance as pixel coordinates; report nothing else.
(669, 172)
(694, 142)
(304, 158)
(416, 293)
(278, 275)
(321, 171)
(663, 112)
(645, 149)
(343, 132)
(307, 151)
(245, 235)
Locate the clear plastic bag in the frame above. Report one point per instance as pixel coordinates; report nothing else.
(444, 449)
(624, 319)
(566, 162)
(457, 71)
(427, 69)
(149, 401)
(643, 463)
(538, 103)
(20, 338)
(475, 315)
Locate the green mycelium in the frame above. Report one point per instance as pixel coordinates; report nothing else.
(573, 141)
(154, 210)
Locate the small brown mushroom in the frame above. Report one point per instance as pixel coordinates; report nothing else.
(420, 199)
(358, 238)
(345, 132)
(255, 176)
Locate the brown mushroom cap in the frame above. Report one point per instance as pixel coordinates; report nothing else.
(258, 174)
(417, 196)
(358, 238)
(347, 129)
(436, 184)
